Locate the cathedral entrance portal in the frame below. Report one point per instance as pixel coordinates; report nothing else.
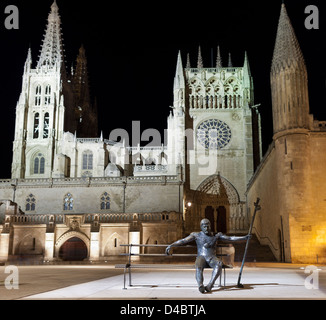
(217, 217)
(73, 249)
(217, 200)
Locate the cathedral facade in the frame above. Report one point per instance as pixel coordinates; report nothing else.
(75, 195)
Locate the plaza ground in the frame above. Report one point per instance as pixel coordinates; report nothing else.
(89, 282)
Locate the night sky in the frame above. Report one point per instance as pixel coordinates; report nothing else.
(132, 50)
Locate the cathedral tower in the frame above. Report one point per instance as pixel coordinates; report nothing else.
(220, 114)
(45, 107)
(292, 124)
(176, 120)
(289, 80)
(86, 113)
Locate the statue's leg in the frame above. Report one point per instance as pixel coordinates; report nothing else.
(200, 265)
(216, 265)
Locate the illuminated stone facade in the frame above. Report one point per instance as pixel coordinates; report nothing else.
(76, 189)
(63, 172)
(290, 179)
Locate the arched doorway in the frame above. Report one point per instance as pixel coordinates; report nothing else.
(221, 225)
(73, 249)
(217, 200)
(209, 214)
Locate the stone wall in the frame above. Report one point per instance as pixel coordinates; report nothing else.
(291, 187)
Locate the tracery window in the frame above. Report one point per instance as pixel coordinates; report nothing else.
(214, 134)
(38, 94)
(39, 164)
(87, 160)
(36, 129)
(105, 201)
(68, 203)
(47, 98)
(46, 125)
(30, 203)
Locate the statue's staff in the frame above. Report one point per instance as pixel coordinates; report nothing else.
(257, 208)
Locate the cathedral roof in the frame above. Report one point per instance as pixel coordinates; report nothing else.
(287, 50)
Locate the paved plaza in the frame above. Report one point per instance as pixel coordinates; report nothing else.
(85, 282)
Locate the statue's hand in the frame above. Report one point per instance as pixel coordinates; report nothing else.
(249, 236)
(167, 250)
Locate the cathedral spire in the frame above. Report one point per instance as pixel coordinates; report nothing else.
(80, 80)
(179, 84)
(28, 63)
(248, 81)
(230, 64)
(83, 106)
(200, 64)
(219, 59)
(179, 81)
(188, 66)
(52, 51)
(246, 71)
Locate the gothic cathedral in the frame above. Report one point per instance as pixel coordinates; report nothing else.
(70, 186)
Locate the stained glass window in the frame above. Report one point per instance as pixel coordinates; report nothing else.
(214, 134)
(39, 164)
(105, 201)
(68, 202)
(30, 203)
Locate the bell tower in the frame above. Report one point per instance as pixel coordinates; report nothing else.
(45, 106)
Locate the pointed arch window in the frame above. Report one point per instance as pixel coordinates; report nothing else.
(36, 129)
(105, 201)
(47, 98)
(38, 95)
(39, 164)
(87, 160)
(30, 203)
(46, 125)
(68, 202)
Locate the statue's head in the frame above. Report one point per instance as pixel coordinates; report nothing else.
(205, 226)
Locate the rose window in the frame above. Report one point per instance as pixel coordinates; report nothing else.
(214, 134)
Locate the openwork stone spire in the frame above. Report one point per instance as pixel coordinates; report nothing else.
(80, 79)
(51, 51)
(188, 65)
(179, 81)
(230, 63)
(200, 63)
(218, 59)
(287, 50)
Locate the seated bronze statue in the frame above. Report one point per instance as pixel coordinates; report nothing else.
(206, 252)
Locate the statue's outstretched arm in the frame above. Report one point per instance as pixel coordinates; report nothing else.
(181, 242)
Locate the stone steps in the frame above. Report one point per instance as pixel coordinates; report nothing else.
(256, 252)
